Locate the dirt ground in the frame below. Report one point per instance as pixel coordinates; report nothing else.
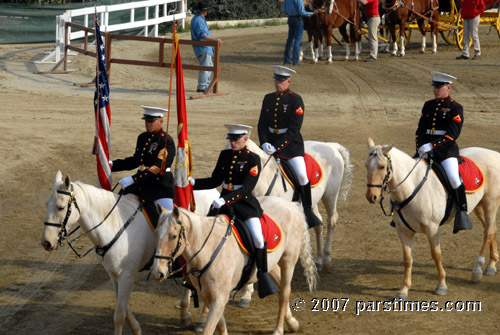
(47, 124)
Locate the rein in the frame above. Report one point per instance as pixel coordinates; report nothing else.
(63, 233)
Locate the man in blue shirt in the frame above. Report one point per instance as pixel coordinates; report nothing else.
(295, 11)
(199, 32)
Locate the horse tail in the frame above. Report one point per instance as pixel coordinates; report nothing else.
(346, 183)
(306, 258)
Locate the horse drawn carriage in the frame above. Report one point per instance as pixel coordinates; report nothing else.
(449, 24)
(441, 15)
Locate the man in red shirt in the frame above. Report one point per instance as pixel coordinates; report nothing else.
(372, 15)
(471, 10)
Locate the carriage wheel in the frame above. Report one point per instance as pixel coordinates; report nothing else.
(497, 23)
(449, 36)
(407, 35)
(460, 33)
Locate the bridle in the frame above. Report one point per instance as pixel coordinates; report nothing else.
(384, 187)
(182, 236)
(63, 233)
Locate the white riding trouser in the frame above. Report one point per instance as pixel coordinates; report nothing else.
(166, 203)
(299, 166)
(255, 228)
(450, 165)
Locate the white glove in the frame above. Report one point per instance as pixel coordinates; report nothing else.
(218, 203)
(110, 163)
(268, 148)
(191, 181)
(126, 182)
(427, 147)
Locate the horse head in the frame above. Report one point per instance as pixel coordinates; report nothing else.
(170, 241)
(379, 170)
(61, 214)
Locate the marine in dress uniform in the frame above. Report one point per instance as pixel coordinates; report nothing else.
(440, 125)
(237, 170)
(279, 126)
(148, 182)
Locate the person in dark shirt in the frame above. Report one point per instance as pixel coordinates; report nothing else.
(440, 125)
(149, 182)
(237, 170)
(279, 126)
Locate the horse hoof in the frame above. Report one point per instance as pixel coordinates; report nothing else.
(186, 323)
(293, 325)
(327, 266)
(422, 52)
(440, 290)
(199, 327)
(401, 296)
(434, 52)
(329, 62)
(489, 271)
(393, 55)
(402, 55)
(476, 277)
(244, 303)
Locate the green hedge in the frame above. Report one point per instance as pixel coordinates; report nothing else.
(240, 9)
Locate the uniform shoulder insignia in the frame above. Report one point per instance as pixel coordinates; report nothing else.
(254, 171)
(299, 111)
(161, 153)
(457, 118)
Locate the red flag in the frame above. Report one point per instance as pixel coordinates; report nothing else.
(102, 115)
(183, 168)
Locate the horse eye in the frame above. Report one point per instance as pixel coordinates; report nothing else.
(60, 208)
(381, 167)
(172, 237)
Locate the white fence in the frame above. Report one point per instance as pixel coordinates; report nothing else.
(171, 10)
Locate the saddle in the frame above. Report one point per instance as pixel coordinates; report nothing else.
(470, 173)
(272, 235)
(314, 173)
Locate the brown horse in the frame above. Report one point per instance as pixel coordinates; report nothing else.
(337, 14)
(398, 12)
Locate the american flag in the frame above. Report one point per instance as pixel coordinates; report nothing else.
(102, 115)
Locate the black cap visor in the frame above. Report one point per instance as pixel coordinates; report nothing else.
(234, 136)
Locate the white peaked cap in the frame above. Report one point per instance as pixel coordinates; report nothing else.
(153, 112)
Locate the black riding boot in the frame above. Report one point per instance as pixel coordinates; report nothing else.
(311, 218)
(266, 284)
(462, 221)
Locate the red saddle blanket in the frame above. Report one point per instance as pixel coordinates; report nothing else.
(314, 171)
(271, 231)
(471, 174)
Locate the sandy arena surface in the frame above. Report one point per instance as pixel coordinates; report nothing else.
(346, 102)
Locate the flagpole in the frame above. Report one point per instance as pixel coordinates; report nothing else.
(95, 149)
(175, 44)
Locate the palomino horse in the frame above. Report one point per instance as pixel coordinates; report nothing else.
(76, 203)
(336, 14)
(398, 12)
(425, 199)
(215, 260)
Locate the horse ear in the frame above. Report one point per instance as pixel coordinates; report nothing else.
(176, 213)
(387, 148)
(67, 182)
(159, 208)
(58, 177)
(371, 143)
